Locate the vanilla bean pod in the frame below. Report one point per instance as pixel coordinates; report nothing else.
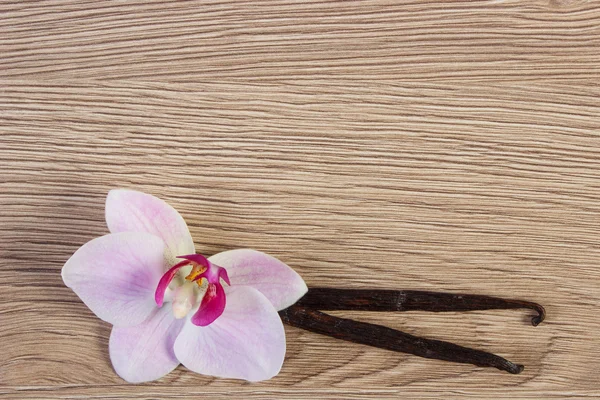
(391, 339)
(328, 299)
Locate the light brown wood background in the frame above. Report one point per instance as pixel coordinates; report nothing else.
(421, 144)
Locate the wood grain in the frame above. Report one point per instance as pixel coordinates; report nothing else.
(419, 145)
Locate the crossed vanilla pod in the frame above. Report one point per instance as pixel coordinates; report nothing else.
(307, 314)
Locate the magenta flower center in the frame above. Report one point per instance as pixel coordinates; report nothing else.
(194, 283)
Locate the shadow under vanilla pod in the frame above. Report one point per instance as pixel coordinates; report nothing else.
(307, 314)
(223, 315)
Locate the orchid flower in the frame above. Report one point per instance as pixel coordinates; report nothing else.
(168, 305)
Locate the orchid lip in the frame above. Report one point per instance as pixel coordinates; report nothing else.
(210, 302)
(164, 282)
(197, 258)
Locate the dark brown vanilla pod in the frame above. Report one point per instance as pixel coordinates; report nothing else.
(391, 339)
(329, 299)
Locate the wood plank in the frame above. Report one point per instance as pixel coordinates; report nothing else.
(298, 40)
(414, 145)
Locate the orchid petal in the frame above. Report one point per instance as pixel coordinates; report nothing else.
(277, 281)
(144, 352)
(133, 211)
(246, 342)
(212, 306)
(115, 276)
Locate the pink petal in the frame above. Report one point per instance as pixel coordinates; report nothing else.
(116, 275)
(246, 342)
(212, 306)
(278, 282)
(144, 352)
(165, 280)
(132, 211)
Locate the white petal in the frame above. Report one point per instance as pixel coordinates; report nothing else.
(145, 352)
(277, 281)
(246, 342)
(116, 275)
(133, 211)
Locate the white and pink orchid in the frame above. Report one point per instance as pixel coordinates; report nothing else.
(222, 319)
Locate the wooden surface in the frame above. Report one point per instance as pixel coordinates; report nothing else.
(422, 145)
